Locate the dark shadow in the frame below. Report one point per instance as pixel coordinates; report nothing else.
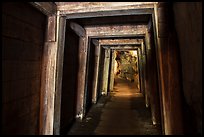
(69, 80)
(90, 122)
(91, 64)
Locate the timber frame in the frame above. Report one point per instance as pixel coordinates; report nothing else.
(53, 60)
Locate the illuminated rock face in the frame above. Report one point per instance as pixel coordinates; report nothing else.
(127, 65)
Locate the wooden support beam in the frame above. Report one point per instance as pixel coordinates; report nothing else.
(52, 26)
(78, 29)
(120, 41)
(126, 49)
(82, 7)
(140, 71)
(169, 67)
(59, 74)
(115, 30)
(48, 88)
(48, 80)
(98, 9)
(151, 79)
(106, 72)
(112, 70)
(83, 48)
(96, 72)
(48, 8)
(143, 52)
(118, 36)
(122, 47)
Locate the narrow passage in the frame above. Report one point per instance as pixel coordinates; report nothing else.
(121, 113)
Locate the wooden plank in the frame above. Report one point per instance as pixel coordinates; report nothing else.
(48, 88)
(25, 10)
(112, 74)
(18, 50)
(25, 87)
(152, 80)
(107, 13)
(23, 31)
(169, 68)
(121, 46)
(120, 41)
(48, 8)
(118, 36)
(84, 9)
(19, 70)
(159, 71)
(78, 29)
(96, 71)
(102, 6)
(59, 75)
(115, 30)
(106, 72)
(83, 47)
(51, 26)
(24, 121)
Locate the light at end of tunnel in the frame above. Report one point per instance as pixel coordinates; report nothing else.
(134, 53)
(115, 67)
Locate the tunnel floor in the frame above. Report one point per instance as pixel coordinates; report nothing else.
(123, 112)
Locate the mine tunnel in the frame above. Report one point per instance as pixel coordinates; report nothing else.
(101, 68)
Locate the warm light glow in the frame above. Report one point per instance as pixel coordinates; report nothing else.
(115, 67)
(134, 53)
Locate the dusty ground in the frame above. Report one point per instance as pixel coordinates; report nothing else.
(121, 113)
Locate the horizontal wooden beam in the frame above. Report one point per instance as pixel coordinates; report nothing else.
(79, 9)
(123, 47)
(107, 13)
(48, 8)
(119, 41)
(93, 6)
(79, 30)
(116, 30)
(136, 36)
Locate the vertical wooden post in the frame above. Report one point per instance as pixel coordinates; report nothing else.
(96, 71)
(144, 75)
(112, 70)
(106, 72)
(83, 48)
(59, 74)
(152, 81)
(169, 70)
(48, 78)
(140, 70)
(81, 76)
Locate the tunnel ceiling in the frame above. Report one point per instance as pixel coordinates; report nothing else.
(91, 7)
(109, 20)
(96, 9)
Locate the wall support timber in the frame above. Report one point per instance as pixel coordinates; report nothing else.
(106, 72)
(96, 70)
(112, 70)
(81, 83)
(140, 71)
(169, 71)
(83, 48)
(59, 74)
(143, 47)
(48, 78)
(151, 79)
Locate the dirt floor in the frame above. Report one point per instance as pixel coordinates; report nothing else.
(123, 112)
